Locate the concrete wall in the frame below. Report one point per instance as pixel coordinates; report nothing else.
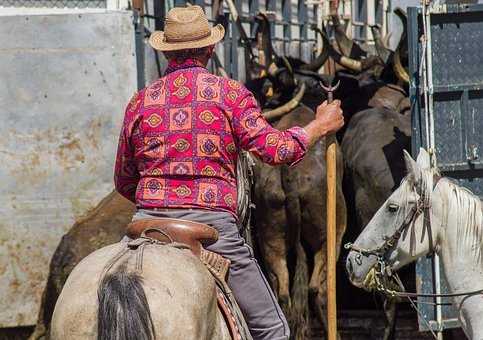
(65, 80)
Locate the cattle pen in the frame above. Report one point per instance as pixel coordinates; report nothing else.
(68, 68)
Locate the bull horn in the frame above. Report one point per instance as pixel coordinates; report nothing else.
(399, 69)
(287, 107)
(264, 40)
(383, 52)
(385, 40)
(345, 44)
(402, 15)
(347, 62)
(318, 62)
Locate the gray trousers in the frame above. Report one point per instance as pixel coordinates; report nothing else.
(257, 302)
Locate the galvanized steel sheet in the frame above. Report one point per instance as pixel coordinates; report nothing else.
(65, 80)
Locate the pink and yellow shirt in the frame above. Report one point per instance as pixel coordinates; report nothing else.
(181, 136)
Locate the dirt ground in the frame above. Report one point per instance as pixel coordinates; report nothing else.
(354, 325)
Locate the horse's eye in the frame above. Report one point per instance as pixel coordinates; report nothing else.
(393, 207)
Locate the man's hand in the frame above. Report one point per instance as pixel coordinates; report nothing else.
(329, 117)
(328, 120)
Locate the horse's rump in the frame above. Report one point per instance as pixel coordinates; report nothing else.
(180, 292)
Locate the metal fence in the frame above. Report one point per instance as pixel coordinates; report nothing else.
(291, 33)
(291, 24)
(54, 3)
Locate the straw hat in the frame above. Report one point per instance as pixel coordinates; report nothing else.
(186, 27)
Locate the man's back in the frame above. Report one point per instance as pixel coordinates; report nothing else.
(185, 131)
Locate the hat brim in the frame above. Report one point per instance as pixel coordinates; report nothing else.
(157, 40)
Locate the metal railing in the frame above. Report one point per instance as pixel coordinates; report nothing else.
(54, 3)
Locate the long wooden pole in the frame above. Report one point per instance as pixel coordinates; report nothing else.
(331, 164)
(331, 160)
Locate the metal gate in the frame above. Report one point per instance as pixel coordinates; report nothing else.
(291, 21)
(456, 87)
(291, 34)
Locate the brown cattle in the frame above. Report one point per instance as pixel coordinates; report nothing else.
(102, 226)
(291, 225)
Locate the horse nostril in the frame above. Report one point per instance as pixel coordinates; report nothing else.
(359, 259)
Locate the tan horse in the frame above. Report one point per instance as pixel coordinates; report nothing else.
(173, 296)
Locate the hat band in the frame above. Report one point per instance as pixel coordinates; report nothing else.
(169, 40)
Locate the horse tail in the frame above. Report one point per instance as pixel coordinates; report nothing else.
(123, 312)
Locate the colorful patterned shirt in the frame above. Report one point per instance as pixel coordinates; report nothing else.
(180, 139)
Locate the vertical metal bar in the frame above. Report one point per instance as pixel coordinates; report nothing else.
(271, 6)
(414, 81)
(317, 19)
(302, 19)
(302, 16)
(432, 153)
(371, 18)
(159, 10)
(437, 286)
(235, 36)
(430, 113)
(253, 8)
(287, 26)
(227, 45)
(464, 117)
(139, 43)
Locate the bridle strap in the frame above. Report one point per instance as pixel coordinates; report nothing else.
(390, 242)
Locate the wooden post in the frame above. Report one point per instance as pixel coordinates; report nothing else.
(331, 164)
(331, 161)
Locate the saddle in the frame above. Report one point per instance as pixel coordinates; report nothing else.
(196, 236)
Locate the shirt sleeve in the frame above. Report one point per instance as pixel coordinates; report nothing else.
(126, 175)
(256, 135)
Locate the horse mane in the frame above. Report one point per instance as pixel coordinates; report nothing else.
(458, 199)
(469, 221)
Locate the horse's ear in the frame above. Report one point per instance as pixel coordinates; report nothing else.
(414, 171)
(424, 161)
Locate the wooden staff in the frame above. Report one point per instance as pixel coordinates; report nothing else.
(331, 164)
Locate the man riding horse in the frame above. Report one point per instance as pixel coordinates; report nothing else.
(178, 150)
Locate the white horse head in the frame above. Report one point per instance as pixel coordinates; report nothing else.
(414, 192)
(427, 214)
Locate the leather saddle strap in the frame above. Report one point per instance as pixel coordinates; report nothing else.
(230, 319)
(234, 308)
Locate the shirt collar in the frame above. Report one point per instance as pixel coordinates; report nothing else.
(175, 65)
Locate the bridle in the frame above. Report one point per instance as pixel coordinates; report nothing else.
(422, 206)
(382, 278)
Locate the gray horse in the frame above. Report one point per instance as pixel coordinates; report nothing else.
(427, 213)
(173, 297)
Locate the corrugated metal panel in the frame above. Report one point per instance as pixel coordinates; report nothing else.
(65, 82)
(458, 112)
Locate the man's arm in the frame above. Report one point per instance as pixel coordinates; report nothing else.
(126, 176)
(272, 146)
